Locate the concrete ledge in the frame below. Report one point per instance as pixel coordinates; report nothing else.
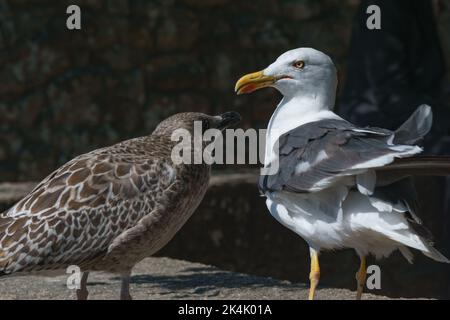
(164, 278)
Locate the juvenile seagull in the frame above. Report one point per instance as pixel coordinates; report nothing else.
(334, 186)
(108, 209)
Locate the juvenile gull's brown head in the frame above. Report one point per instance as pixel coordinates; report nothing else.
(187, 120)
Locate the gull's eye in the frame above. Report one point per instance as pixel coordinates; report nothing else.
(299, 64)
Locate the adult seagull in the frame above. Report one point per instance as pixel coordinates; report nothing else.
(336, 185)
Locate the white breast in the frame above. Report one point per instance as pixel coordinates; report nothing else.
(316, 217)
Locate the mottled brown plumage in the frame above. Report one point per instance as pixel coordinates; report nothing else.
(107, 209)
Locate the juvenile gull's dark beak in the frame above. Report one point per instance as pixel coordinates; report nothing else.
(228, 119)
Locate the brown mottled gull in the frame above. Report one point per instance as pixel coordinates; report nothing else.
(107, 209)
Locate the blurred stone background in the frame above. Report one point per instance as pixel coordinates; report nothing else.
(133, 63)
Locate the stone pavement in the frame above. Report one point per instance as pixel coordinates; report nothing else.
(165, 278)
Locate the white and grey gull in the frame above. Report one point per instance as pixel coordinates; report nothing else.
(337, 185)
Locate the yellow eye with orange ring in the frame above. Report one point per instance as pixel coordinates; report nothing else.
(299, 64)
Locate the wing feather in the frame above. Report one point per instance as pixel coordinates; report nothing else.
(76, 212)
(319, 154)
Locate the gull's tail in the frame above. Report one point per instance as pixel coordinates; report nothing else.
(411, 237)
(416, 127)
(411, 132)
(427, 249)
(434, 254)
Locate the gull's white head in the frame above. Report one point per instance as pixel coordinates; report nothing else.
(298, 72)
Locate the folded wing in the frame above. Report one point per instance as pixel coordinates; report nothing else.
(316, 155)
(76, 213)
(319, 154)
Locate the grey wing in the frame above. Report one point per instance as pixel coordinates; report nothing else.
(77, 212)
(316, 155)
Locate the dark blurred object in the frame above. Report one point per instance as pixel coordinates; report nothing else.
(393, 70)
(438, 7)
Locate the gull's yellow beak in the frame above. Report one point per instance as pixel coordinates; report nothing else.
(252, 82)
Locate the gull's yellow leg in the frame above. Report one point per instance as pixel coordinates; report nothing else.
(361, 277)
(314, 274)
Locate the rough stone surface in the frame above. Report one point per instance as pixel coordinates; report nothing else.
(133, 63)
(164, 278)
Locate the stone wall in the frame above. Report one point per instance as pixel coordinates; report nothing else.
(134, 62)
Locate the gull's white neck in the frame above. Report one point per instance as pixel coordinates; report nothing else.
(296, 111)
